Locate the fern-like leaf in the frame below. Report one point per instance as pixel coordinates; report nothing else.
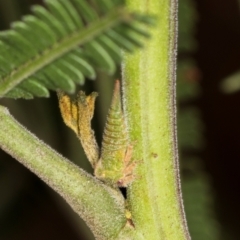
(61, 45)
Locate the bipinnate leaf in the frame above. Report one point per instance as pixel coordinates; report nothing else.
(61, 44)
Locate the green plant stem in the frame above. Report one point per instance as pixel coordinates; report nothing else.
(101, 207)
(149, 95)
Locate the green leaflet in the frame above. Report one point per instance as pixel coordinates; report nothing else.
(87, 35)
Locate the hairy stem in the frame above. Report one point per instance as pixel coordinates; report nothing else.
(149, 95)
(100, 206)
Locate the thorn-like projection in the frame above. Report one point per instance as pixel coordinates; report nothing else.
(115, 165)
(77, 115)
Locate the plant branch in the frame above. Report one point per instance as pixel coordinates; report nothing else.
(101, 207)
(149, 95)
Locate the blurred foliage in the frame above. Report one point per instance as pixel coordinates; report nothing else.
(196, 185)
(232, 83)
(30, 210)
(187, 22)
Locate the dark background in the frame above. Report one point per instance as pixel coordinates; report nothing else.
(31, 210)
(218, 36)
